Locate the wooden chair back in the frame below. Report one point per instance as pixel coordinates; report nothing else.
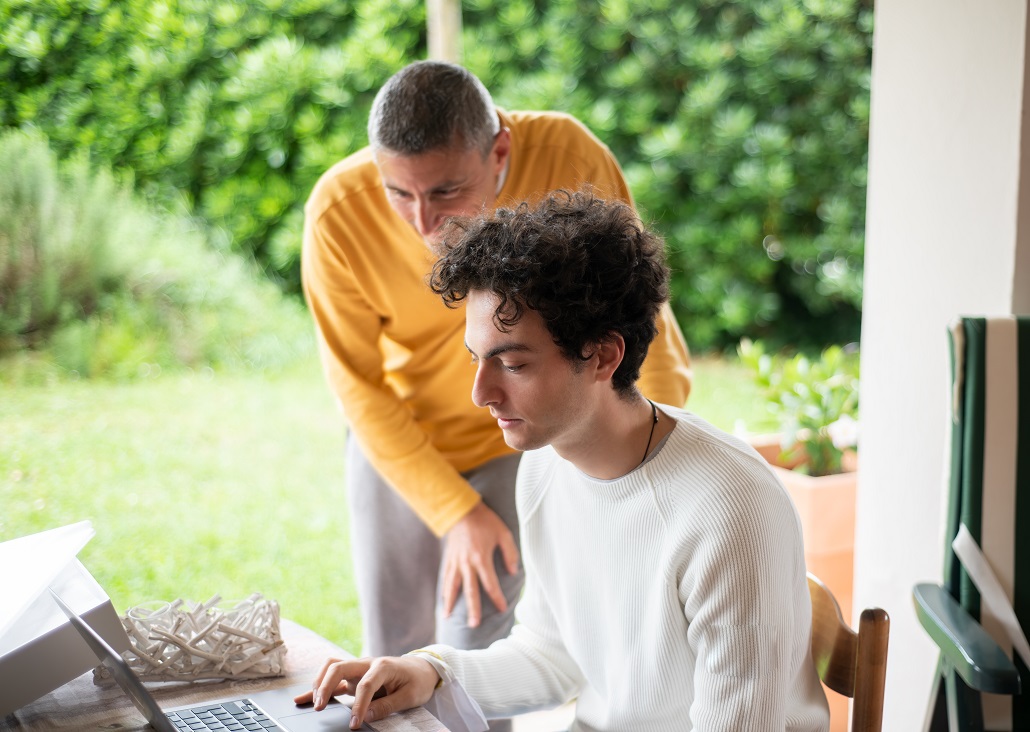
(850, 663)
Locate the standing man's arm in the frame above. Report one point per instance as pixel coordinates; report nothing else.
(348, 337)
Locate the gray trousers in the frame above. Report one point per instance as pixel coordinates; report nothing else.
(397, 563)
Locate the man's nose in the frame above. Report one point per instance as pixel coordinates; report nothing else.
(484, 393)
(427, 220)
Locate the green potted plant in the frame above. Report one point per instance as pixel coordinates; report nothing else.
(815, 404)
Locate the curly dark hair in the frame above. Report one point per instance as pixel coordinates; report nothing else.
(588, 266)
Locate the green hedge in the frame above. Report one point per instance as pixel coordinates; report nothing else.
(742, 126)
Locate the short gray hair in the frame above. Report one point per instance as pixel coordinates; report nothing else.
(430, 105)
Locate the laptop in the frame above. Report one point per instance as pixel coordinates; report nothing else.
(265, 710)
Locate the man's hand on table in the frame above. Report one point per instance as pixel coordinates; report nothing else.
(468, 560)
(380, 686)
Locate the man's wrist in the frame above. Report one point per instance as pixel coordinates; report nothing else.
(435, 660)
(476, 503)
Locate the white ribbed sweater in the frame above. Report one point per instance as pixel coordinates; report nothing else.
(673, 598)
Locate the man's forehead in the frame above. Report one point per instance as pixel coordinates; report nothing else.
(435, 164)
(480, 314)
(484, 333)
(480, 309)
(485, 302)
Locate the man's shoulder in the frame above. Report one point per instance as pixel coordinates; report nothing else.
(717, 462)
(353, 180)
(551, 150)
(552, 129)
(700, 431)
(541, 118)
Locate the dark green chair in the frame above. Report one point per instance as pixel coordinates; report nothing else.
(989, 493)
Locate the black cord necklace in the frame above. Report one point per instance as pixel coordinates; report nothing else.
(654, 421)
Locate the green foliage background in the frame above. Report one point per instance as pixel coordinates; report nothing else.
(742, 126)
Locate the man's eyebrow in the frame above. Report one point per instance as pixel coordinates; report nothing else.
(501, 349)
(447, 185)
(442, 185)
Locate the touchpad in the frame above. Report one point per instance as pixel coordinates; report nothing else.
(335, 716)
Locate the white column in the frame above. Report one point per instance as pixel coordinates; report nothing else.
(947, 221)
(443, 27)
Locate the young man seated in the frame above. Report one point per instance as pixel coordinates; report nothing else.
(666, 582)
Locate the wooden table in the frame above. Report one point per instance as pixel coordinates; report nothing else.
(81, 705)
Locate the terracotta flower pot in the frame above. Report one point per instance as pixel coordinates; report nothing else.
(826, 505)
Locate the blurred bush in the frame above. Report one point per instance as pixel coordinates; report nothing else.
(742, 126)
(94, 282)
(57, 262)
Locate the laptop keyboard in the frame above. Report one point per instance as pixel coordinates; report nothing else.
(232, 716)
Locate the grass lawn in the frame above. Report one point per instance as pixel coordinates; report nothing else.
(229, 483)
(724, 393)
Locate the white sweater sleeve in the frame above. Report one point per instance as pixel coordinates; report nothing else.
(527, 671)
(743, 623)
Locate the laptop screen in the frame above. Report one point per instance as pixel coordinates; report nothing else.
(123, 675)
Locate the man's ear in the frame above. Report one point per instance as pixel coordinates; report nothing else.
(610, 353)
(501, 150)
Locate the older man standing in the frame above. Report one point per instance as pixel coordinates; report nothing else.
(423, 463)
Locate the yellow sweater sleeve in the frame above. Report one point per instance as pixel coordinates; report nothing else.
(349, 332)
(665, 375)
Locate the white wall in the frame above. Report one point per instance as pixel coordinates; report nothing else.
(941, 239)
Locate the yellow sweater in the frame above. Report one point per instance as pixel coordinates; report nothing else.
(394, 355)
